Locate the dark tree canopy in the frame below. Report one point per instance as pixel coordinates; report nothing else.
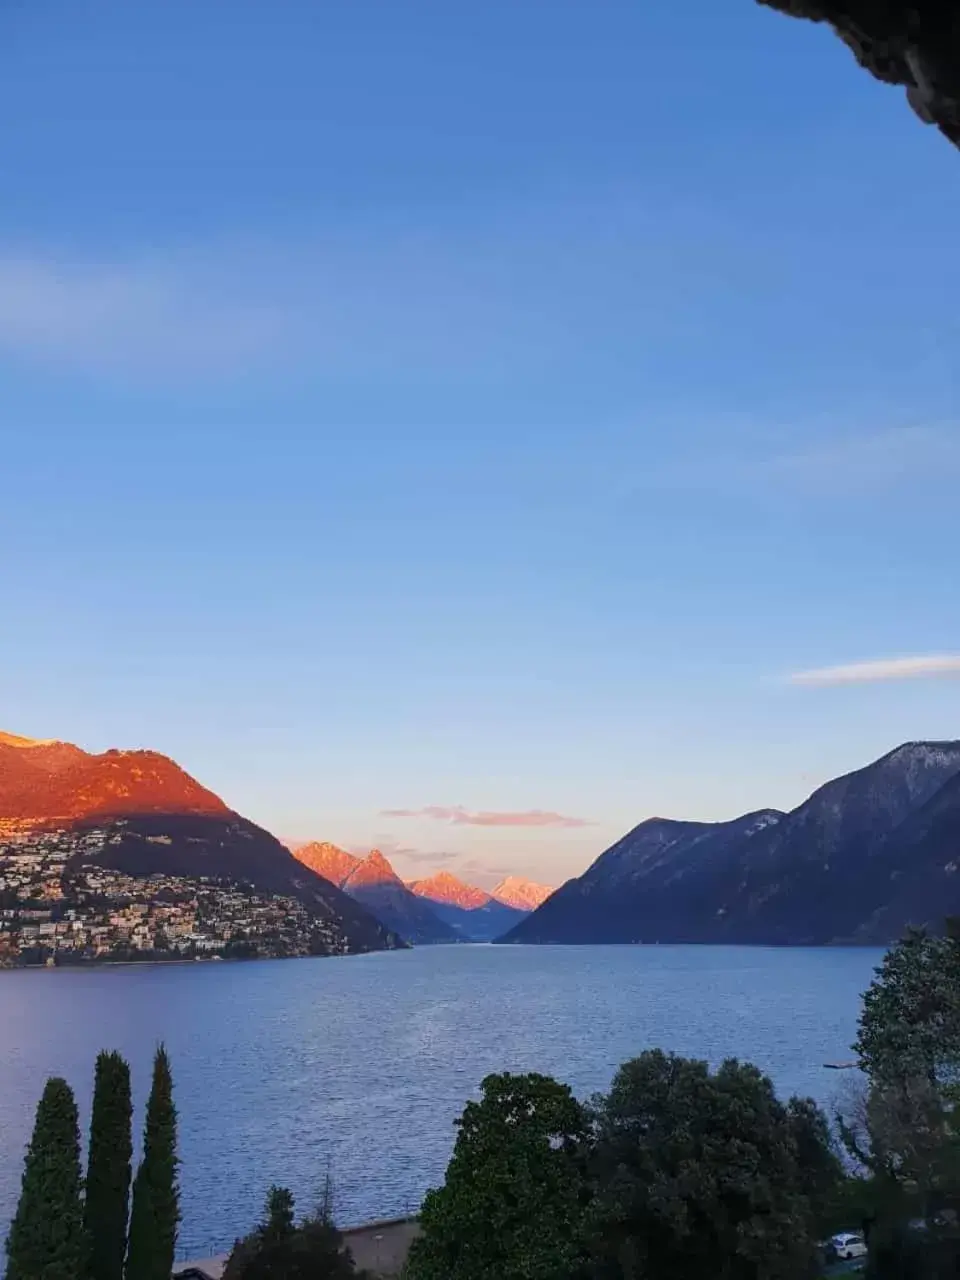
(910, 1023)
(278, 1249)
(904, 1133)
(707, 1174)
(513, 1202)
(46, 1239)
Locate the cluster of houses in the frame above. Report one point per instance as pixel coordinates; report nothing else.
(56, 909)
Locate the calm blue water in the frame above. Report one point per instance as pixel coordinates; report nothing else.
(283, 1068)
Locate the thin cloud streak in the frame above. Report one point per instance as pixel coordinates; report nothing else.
(343, 306)
(763, 461)
(870, 462)
(459, 817)
(131, 317)
(916, 668)
(352, 301)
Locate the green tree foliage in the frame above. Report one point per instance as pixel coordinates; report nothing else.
(279, 1224)
(513, 1202)
(906, 1135)
(155, 1211)
(910, 1022)
(106, 1206)
(279, 1250)
(707, 1174)
(908, 1046)
(46, 1239)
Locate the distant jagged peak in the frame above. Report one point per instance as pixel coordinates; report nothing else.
(375, 868)
(327, 860)
(323, 848)
(447, 888)
(525, 895)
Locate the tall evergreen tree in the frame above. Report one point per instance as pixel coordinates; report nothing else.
(106, 1207)
(155, 1211)
(46, 1237)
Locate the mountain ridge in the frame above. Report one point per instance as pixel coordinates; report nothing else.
(825, 872)
(373, 882)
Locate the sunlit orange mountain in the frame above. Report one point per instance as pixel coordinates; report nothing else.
(139, 813)
(327, 860)
(462, 911)
(446, 888)
(42, 782)
(476, 915)
(373, 882)
(523, 895)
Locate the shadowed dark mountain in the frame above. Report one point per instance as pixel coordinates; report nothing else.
(919, 865)
(865, 854)
(660, 866)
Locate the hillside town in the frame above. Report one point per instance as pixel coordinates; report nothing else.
(57, 909)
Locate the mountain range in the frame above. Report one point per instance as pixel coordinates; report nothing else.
(441, 908)
(373, 883)
(474, 914)
(864, 856)
(139, 813)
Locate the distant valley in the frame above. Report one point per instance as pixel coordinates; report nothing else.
(441, 908)
(865, 856)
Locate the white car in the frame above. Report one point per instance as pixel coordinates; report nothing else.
(847, 1245)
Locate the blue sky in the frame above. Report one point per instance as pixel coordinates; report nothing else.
(479, 409)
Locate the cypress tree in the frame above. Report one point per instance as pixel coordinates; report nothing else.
(108, 1169)
(46, 1236)
(155, 1210)
(278, 1223)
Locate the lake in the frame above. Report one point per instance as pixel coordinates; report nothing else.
(283, 1069)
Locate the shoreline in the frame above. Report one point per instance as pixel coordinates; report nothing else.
(191, 960)
(527, 946)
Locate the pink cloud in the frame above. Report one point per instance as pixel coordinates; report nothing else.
(460, 817)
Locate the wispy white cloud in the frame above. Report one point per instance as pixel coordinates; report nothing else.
(914, 668)
(339, 304)
(868, 461)
(458, 816)
(812, 461)
(132, 317)
(341, 308)
(523, 288)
